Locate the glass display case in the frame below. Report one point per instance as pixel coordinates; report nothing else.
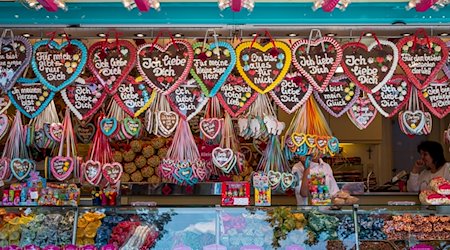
(276, 227)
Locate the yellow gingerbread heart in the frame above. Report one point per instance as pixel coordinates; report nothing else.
(298, 139)
(263, 67)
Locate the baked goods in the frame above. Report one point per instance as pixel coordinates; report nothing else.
(344, 198)
(140, 161)
(136, 146)
(148, 151)
(440, 185)
(430, 197)
(136, 176)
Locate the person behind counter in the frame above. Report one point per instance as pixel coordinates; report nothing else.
(431, 164)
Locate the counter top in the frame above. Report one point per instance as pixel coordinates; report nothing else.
(387, 194)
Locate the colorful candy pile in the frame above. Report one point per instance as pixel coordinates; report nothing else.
(400, 227)
(87, 227)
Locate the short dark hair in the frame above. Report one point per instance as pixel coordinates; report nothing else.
(435, 150)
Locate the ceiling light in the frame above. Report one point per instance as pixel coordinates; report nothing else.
(178, 35)
(26, 35)
(254, 34)
(331, 34)
(142, 5)
(406, 34)
(63, 35)
(368, 34)
(101, 35)
(292, 34)
(443, 34)
(139, 35)
(236, 6)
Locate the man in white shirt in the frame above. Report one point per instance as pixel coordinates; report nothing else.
(431, 164)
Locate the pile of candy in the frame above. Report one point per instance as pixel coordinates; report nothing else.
(370, 227)
(132, 235)
(87, 227)
(401, 227)
(105, 230)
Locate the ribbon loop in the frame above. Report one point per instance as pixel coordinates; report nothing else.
(317, 35)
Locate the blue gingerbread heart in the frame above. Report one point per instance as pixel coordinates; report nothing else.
(108, 126)
(58, 65)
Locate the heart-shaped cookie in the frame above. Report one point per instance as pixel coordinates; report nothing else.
(211, 127)
(56, 131)
(134, 97)
(167, 121)
(131, 126)
(112, 172)
(187, 99)
(338, 96)
(20, 168)
(58, 65)
(92, 171)
(236, 96)
(164, 68)
(212, 65)
(291, 93)
(85, 132)
(84, 97)
(222, 156)
(4, 125)
(370, 67)
(436, 97)
(446, 67)
(108, 126)
(392, 96)
(310, 140)
(298, 139)
(318, 64)
(422, 58)
(184, 173)
(15, 55)
(200, 170)
(61, 167)
(5, 170)
(287, 181)
(263, 67)
(413, 121)
(30, 97)
(274, 178)
(166, 168)
(4, 102)
(111, 62)
(362, 113)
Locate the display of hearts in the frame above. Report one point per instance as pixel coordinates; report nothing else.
(20, 168)
(166, 168)
(287, 181)
(92, 172)
(212, 65)
(112, 172)
(5, 170)
(187, 99)
(337, 98)
(4, 102)
(164, 68)
(422, 58)
(84, 97)
(392, 96)
(134, 97)
(362, 113)
(436, 97)
(236, 96)
(291, 93)
(318, 64)
(263, 67)
(61, 167)
(15, 55)
(58, 65)
(85, 132)
(111, 62)
(131, 126)
(108, 126)
(4, 125)
(370, 67)
(211, 127)
(30, 97)
(167, 121)
(200, 170)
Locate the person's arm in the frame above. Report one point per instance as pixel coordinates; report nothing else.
(413, 184)
(304, 190)
(447, 171)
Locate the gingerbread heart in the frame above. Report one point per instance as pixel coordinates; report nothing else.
(4, 125)
(85, 132)
(112, 172)
(263, 67)
(287, 181)
(212, 65)
(20, 168)
(5, 170)
(15, 55)
(413, 121)
(318, 64)
(187, 99)
(446, 68)
(92, 171)
(56, 131)
(164, 68)
(436, 97)
(167, 121)
(298, 139)
(362, 113)
(392, 96)
(338, 96)
(422, 58)
(134, 97)
(236, 96)
(61, 167)
(4, 102)
(111, 62)
(291, 93)
(274, 178)
(108, 126)
(84, 97)
(211, 127)
(132, 126)
(222, 156)
(58, 65)
(200, 170)
(166, 168)
(30, 97)
(370, 67)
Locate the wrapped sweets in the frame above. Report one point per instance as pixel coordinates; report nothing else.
(440, 185)
(430, 197)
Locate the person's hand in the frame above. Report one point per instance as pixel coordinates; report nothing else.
(417, 168)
